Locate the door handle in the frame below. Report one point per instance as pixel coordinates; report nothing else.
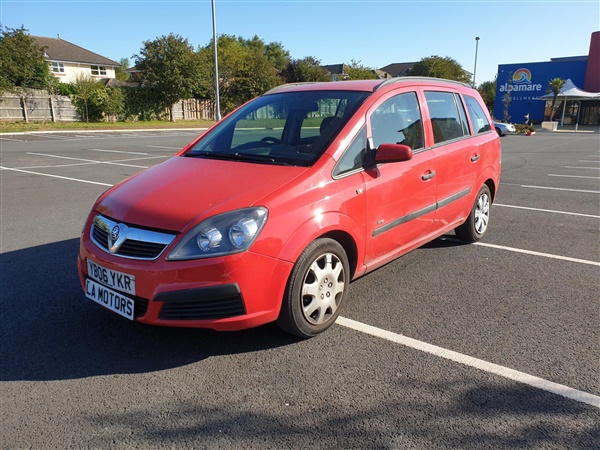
(475, 158)
(428, 176)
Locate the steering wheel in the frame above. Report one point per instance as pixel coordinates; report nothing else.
(271, 139)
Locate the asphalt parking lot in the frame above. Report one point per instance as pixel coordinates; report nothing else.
(492, 345)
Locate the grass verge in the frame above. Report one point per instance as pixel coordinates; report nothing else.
(18, 127)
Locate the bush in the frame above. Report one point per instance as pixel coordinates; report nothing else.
(521, 128)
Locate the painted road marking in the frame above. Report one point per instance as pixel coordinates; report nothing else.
(533, 253)
(55, 176)
(116, 151)
(505, 372)
(559, 189)
(547, 210)
(116, 163)
(166, 148)
(572, 176)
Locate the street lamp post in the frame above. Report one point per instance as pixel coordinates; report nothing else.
(217, 104)
(475, 69)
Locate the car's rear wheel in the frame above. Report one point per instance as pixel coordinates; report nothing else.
(316, 289)
(477, 223)
(498, 131)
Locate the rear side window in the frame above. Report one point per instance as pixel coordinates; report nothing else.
(398, 121)
(478, 118)
(446, 118)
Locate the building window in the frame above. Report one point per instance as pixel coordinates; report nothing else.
(98, 70)
(58, 67)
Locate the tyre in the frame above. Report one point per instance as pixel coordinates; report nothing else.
(316, 289)
(499, 132)
(476, 224)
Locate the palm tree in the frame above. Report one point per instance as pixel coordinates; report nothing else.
(554, 86)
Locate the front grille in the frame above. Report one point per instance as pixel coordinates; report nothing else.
(127, 241)
(140, 307)
(203, 309)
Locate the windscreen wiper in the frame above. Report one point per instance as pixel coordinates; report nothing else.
(230, 156)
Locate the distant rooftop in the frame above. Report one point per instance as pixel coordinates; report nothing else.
(57, 49)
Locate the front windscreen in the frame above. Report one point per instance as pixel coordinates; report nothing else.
(290, 128)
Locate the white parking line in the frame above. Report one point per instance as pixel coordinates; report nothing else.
(89, 160)
(59, 138)
(547, 210)
(166, 148)
(115, 151)
(530, 252)
(55, 176)
(505, 372)
(56, 166)
(560, 189)
(8, 139)
(591, 168)
(586, 161)
(572, 176)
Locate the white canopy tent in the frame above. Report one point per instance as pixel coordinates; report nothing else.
(570, 92)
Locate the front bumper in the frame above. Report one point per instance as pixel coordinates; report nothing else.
(223, 293)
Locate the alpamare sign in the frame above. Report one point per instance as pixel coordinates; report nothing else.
(521, 82)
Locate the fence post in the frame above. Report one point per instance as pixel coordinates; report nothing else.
(24, 106)
(52, 113)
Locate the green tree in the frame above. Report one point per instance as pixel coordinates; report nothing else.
(441, 67)
(120, 73)
(356, 71)
(507, 98)
(245, 70)
(22, 61)
(87, 97)
(554, 86)
(170, 65)
(305, 70)
(277, 55)
(487, 90)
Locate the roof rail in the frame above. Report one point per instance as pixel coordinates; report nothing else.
(414, 78)
(283, 87)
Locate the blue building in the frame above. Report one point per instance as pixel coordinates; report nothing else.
(527, 81)
(518, 86)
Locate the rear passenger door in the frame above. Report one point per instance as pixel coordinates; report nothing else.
(457, 155)
(400, 195)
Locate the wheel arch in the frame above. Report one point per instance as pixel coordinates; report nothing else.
(336, 226)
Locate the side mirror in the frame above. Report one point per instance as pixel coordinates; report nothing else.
(387, 153)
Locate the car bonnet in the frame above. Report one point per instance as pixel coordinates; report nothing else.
(178, 193)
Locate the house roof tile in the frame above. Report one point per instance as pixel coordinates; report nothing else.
(59, 50)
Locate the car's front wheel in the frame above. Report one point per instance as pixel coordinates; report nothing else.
(477, 223)
(316, 289)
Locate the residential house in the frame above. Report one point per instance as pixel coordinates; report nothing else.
(338, 72)
(398, 69)
(68, 60)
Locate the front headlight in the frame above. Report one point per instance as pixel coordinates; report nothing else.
(224, 234)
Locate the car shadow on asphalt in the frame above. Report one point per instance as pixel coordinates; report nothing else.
(50, 331)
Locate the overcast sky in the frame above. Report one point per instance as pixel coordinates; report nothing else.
(374, 32)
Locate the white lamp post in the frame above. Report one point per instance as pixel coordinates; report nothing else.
(217, 104)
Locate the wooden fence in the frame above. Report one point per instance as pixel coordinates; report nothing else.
(36, 106)
(39, 106)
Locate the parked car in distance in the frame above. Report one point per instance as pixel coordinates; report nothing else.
(270, 214)
(504, 128)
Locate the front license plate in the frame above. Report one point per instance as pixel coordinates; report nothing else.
(109, 299)
(117, 280)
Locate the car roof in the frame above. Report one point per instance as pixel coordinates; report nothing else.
(362, 85)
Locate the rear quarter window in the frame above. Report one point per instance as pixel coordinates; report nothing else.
(478, 118)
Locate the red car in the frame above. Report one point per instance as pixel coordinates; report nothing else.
(272, 212)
